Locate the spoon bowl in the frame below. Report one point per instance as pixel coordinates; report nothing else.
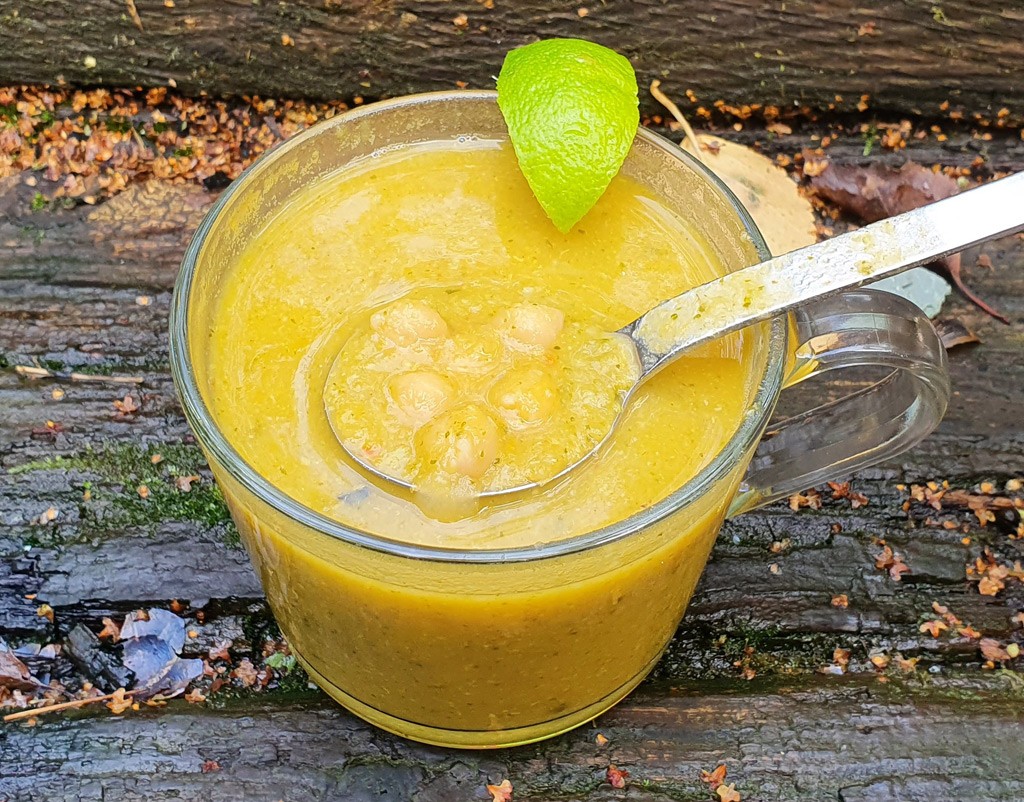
(763, 291)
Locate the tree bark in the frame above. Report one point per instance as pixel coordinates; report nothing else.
(70, 285)
(850, 740)
(908, 57)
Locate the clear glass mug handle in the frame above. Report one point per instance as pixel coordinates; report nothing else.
(856, 328)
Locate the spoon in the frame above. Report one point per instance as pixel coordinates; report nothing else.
(770, 288)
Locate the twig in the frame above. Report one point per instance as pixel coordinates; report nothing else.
(75, 703)
(962, 498)
(665, 101)
(133, 12)
(33, 373)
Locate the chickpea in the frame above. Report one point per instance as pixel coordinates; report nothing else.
(462, 441)
(407, 322)
(531, 325)
(524, 397)
(421, 394)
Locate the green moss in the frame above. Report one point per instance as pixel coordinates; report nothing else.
(119, 125)
(38, 202)
(9, 115)
(870, 140)
(117, 473)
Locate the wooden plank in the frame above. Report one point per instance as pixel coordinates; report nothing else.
(69, 298)
(909, 57)
(852, 740)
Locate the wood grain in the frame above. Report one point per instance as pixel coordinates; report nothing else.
(70, 282)
(910, 56)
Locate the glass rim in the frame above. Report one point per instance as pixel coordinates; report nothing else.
(216, 443)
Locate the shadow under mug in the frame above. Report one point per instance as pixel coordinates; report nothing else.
(491, 648)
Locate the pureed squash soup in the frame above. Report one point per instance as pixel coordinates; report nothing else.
(531, 638)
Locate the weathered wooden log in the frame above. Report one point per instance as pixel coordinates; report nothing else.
(851, 740)
(88, 289)
(908, 57)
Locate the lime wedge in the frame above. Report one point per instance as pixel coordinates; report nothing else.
(572, 112)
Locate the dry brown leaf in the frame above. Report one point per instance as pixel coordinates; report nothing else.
(245, 672)
(784, 217)
(727, 793)
(502, 792)
(714, 778)
(993, 650)
(119, 702)
(953, 333)
(878, 191)
(842, 600)
(14, 674)
(616, 776)
(126, 406)
(219, 650)
(184, 483)
(110, 630)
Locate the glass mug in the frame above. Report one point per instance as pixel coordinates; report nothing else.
(490, 648)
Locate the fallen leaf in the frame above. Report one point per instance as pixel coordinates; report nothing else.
(842, 600)
(245, 672)
(502, 792)
(892, 562)
(195, 697)
(110, 630)
(600, 740)
(161, 624)
(616, 777)
(810, 499)
(219, 650)
(119, 703)
(714, 778)
(727, 793)
(126, 406)
(45, 611)
(152, 640)
(993, 650)
(184, 483)
(133, 12)
(14, 674)
(953, 333)
(783, 216)
(878, 191)
(880, 661)
(933, 628)
(157, 668)
(209, 766)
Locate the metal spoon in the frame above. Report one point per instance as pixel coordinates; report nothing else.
(768, 289)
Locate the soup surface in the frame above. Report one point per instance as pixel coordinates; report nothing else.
(454, 227)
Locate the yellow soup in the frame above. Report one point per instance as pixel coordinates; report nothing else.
(425, 647)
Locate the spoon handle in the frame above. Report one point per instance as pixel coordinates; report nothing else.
(764, 290)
